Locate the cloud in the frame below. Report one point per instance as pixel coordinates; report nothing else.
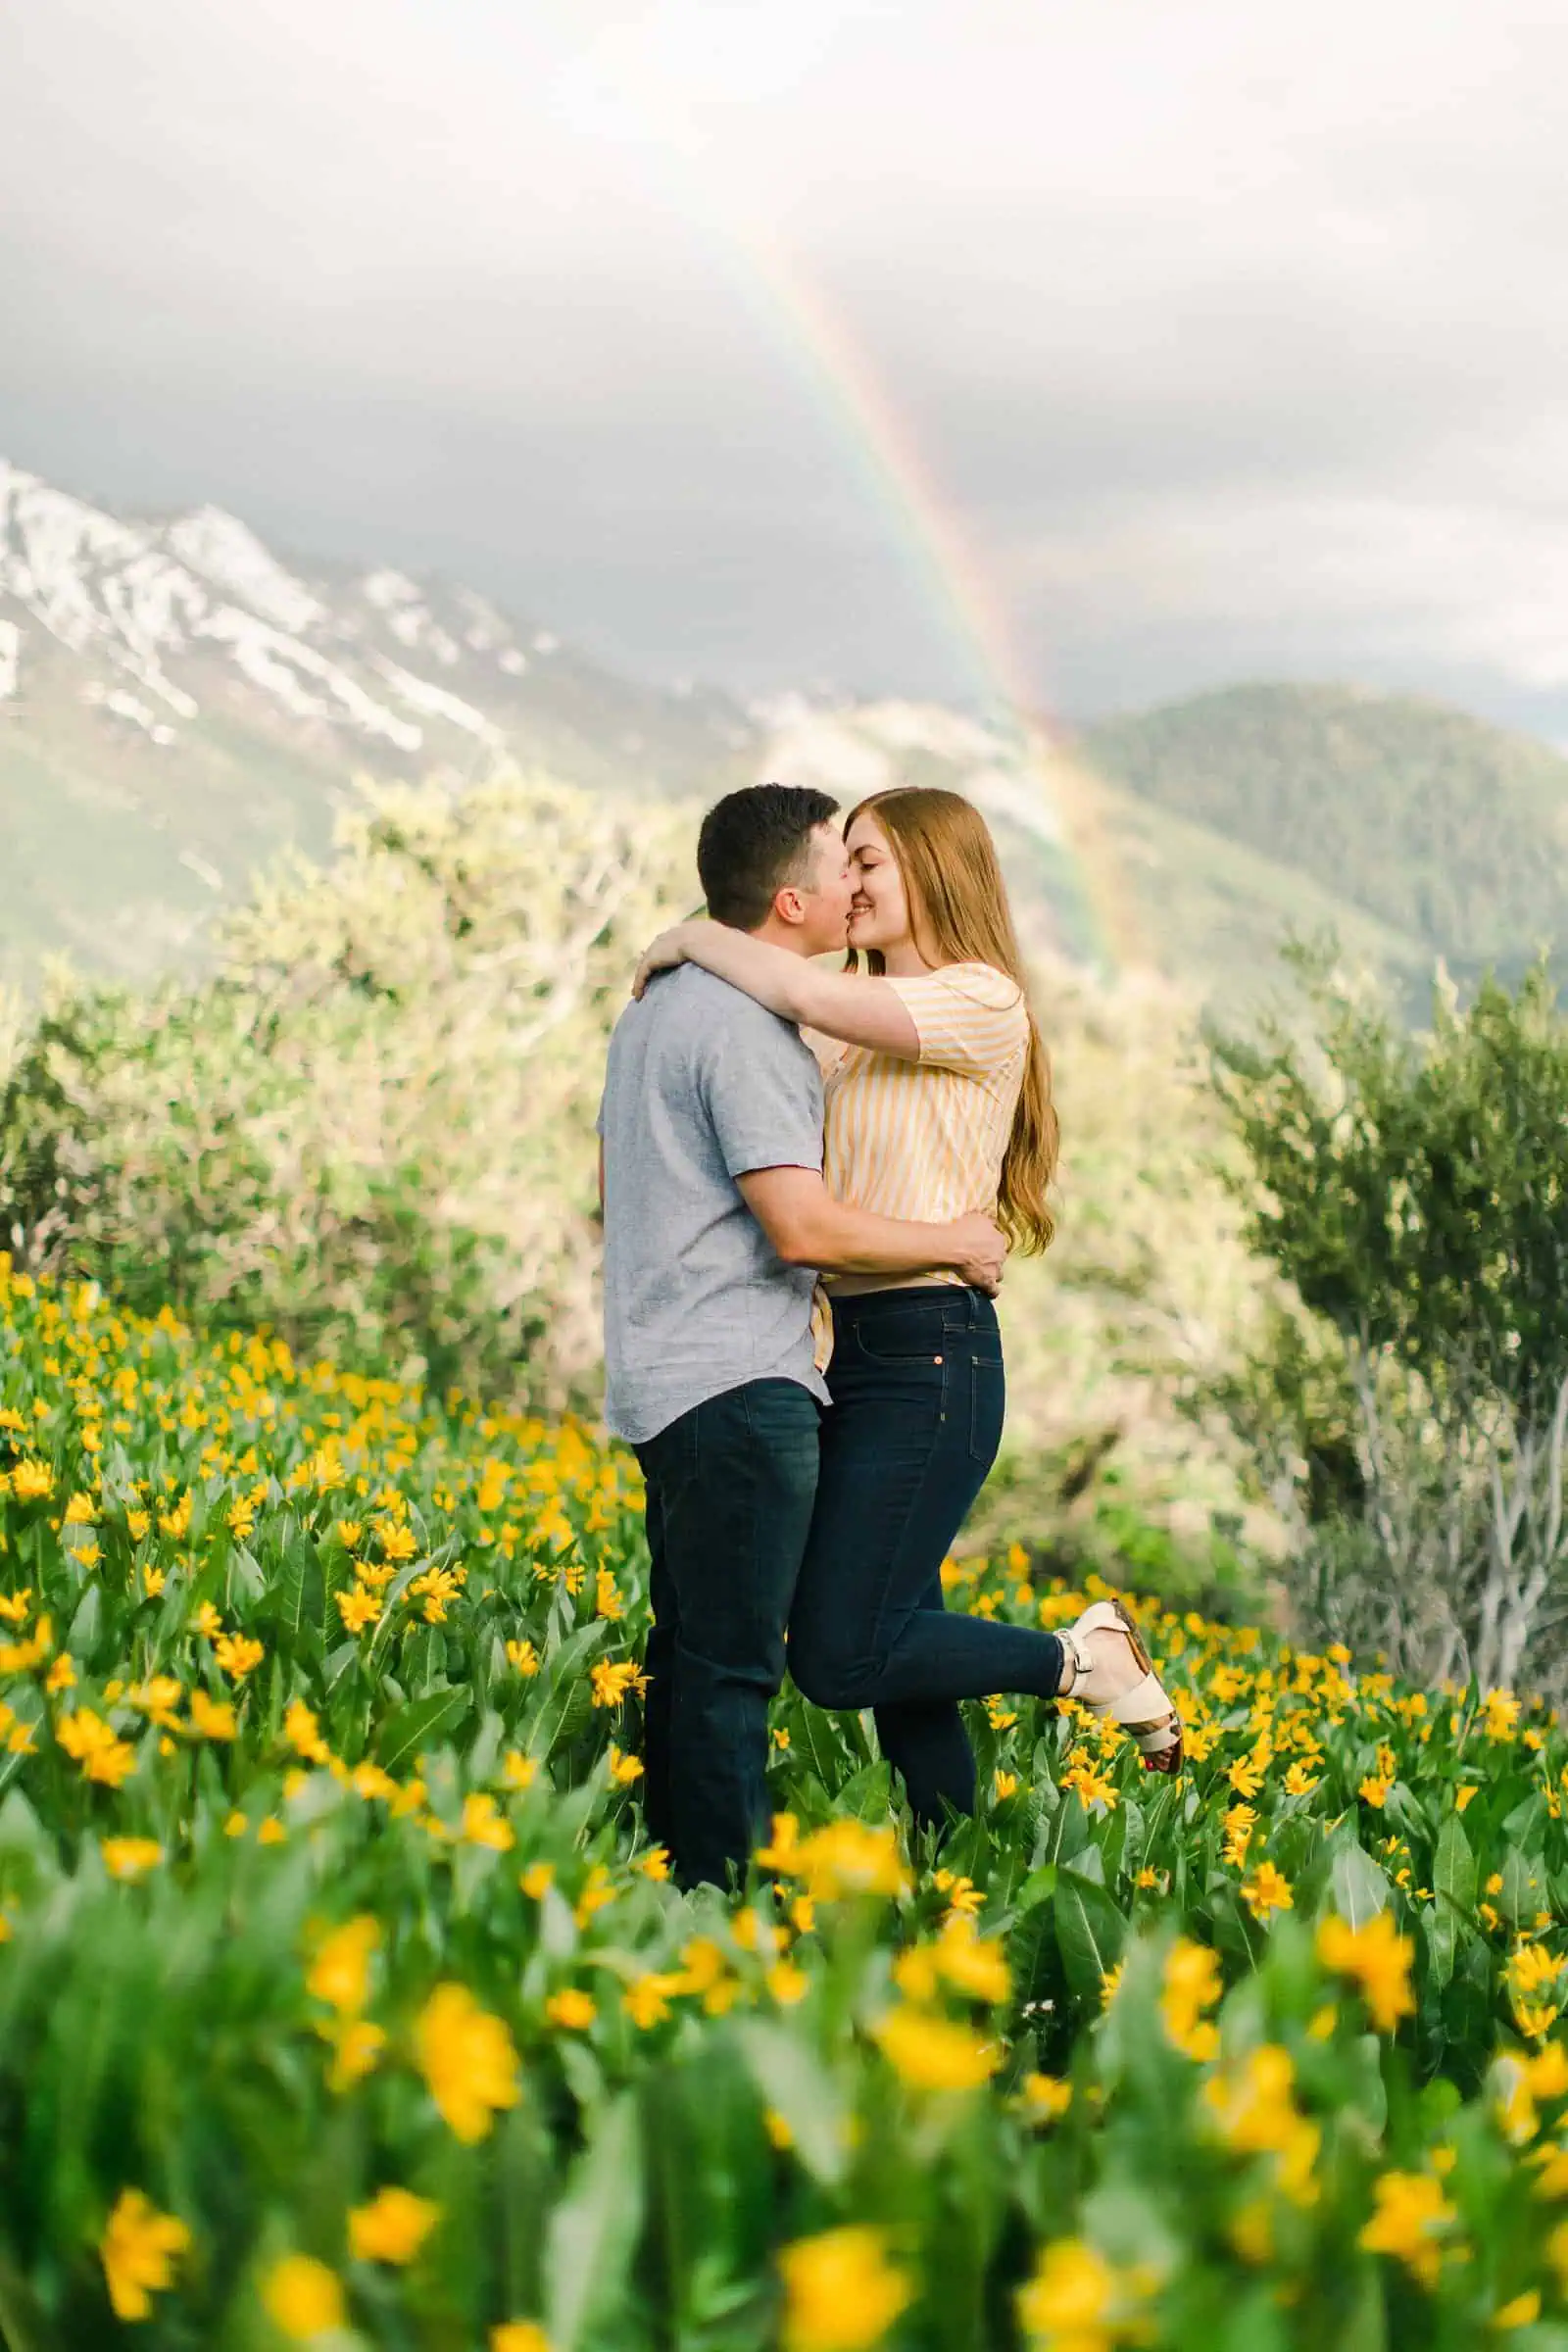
(1235, 340)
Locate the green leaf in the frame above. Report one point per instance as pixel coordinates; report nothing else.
(1453, 1867)
(1359, 1889)
(593, 2232)
(1525, 1888)
(1090, 1931)
(794, 2081)
(1453, 1889)
(299, 1589)
(422, 1722)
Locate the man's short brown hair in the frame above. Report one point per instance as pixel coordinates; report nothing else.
(755, 842)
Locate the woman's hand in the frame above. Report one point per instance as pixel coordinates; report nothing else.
(662, 956)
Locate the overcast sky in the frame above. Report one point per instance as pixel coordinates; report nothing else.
(1233, 334)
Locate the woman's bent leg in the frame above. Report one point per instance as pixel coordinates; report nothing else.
(917, 1402)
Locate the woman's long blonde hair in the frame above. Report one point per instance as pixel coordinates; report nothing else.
(959, 913)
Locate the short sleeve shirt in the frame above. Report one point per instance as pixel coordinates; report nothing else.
(926, 1139)
(702, 1086)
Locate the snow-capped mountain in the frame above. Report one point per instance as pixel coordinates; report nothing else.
(174, 625)
(176, 704)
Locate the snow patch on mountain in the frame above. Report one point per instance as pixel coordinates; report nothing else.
(10, 659)
(226, 553)
(436, 702)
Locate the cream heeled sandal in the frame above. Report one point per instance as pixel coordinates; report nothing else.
(1145, 1710)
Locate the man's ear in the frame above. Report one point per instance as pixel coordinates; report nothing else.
(788, 905)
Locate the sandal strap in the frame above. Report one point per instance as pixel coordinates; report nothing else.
(1146, 1702)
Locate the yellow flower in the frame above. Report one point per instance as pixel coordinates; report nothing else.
(157, 1699)
(302, 1733)
(468, 2060)
(1004, 1785)
(1239, 1825)
(623, 1770)
(784, 1844)
(392, 2228)
(572, 2010)
(1411, 2216)
(519, 2336)
(91, 1744)
(523, 1658)
(971, 1963)
(535, 1878)
(483, 1825)
(611, 1681)
(212, 1719)
(1267, 1890)
(1192, 1984)
(787, 1983)
(129, 1857)
(1375, 1791)
(1075, 2302)
(138, 2250)
(841, 2294)
(1462, 1797)
(1377, 1958)
(646, 1999)
(1501, 1711)
(340, 1972)
(1256, 2114)
(1522, 2311)
(932, 2053)
(1046, 2098)
(1531, 1972)
(302, 2298)
(357, 2047)
(356, 1607)
(846, 1858)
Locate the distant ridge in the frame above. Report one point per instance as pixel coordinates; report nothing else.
(1447, 833)
(177, 703)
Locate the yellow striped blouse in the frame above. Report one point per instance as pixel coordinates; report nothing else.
(926, 1139)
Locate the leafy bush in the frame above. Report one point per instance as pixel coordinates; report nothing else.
(1412, 1192)
(374, 1129)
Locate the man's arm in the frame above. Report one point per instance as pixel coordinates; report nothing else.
(807, 1227)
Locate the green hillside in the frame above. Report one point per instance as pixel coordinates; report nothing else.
(1447, 833)
(1212, 914)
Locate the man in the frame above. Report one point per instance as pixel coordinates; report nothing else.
(716, 1222)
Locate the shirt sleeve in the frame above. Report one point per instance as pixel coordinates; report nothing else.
(763, 1092)
(968, 1018)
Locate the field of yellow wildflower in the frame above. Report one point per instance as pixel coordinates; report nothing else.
(343, 2005)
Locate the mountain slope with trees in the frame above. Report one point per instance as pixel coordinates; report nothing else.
(1449, 833)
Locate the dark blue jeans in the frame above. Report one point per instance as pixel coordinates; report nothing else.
(918, 1398)
(730, 1489)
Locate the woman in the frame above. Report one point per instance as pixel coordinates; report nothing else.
(938, 1104)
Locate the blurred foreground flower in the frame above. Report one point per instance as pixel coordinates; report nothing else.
(138, 2250)
(841, 2294)
(467, 2059)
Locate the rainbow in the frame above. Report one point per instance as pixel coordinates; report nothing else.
(883, 455)
(877, 445)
